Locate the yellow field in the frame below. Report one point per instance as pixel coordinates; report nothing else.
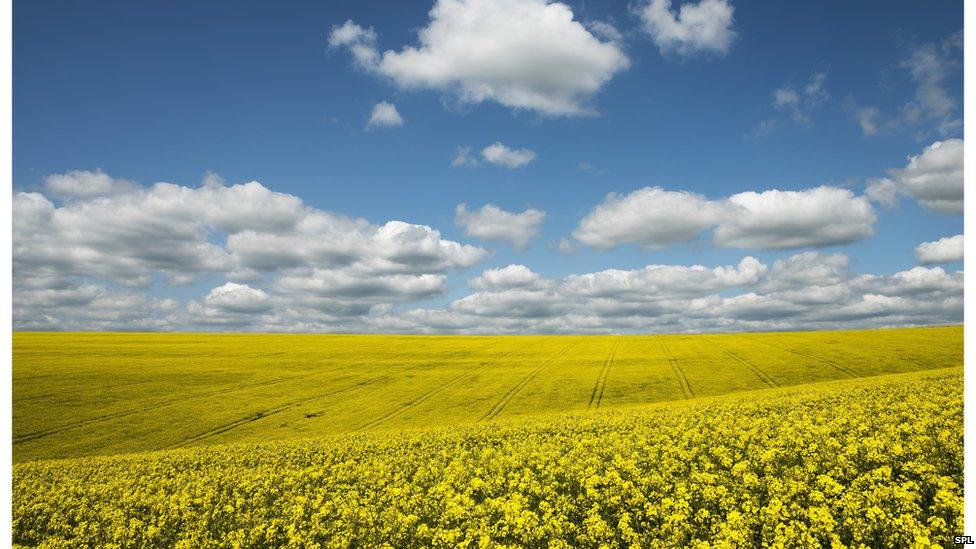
(775, 439)
(864, 463)
(95, 393)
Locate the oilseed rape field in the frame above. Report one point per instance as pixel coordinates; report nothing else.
(845, 439)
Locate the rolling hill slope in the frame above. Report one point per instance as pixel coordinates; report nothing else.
(94, 393)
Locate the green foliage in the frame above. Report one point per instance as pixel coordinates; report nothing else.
(872, 462)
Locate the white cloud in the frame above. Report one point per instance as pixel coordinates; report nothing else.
(328, 293)
(785, 97)
(664, 281)
(88, 307)
(806, 270)
(702, 27)
(943, 250)
(801, 103)
(806, 291)
(516, 302)
(84, 184)
(238, 298)
(512, 276)
(929, 68)
(375, 289)
(882, 190)
(565, 245)
(868, 119)
(933, 109)
(384, 114)
(651, 217)
(311, 270)
(350, 33)
(524, 54)
(323, 240)
(823, 216)
(172, 234)
(462, 157)
(500, 155)
(655, 218)
(934, 178)
(922, 282)
(361, 43)
(497, 153)
(605, 30)
(495, 224)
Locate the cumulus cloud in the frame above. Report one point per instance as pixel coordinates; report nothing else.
(934, 178)
(499, 154)
(805, 291)
(664, 281)
(85, 184)
(81, 306)
(823, 216)
(495, 224)
(943, 250)
(238, 298)
(523, 54)
(332, 284)
(882, 190)
(917, 281)
(283, 265)
(655, 218)
(696, 28)
(651, 217)
(171, 234)
(384, 114)
(512, 276)
(805, 270)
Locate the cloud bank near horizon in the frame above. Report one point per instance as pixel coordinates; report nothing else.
(93, 252)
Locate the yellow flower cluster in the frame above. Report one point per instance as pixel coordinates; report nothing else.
(867, 463)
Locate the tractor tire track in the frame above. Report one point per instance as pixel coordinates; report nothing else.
(678, 371)
(83, 390)
(429, 394)
(514, 391)
(124, 413)
(294, 404)
(914, 362)
(601, 380)
(132, 411)
(220, 429)
(763, 376)
(840, 367)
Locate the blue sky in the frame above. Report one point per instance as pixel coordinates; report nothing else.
(253, 91)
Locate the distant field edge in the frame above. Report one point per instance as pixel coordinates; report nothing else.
(485, 334)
